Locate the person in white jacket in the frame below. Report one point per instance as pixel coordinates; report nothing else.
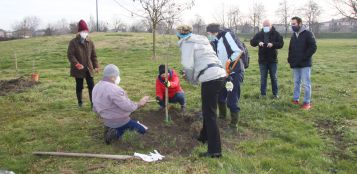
(113, 105)
(201, 65)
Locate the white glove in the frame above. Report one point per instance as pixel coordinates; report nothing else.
(261, 44)
(150, 158)
(156, 155)
(229, 86)
(144, 157)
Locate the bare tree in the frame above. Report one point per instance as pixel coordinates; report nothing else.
(347, 8)
(62, 27)
(312, 11)
(50, 30)
(92, 24)
(159, 10)
(234, 19)
(27, 26)
(284, 12)
(220, 16)
(73, 27)
(140, 26)
(118, 25)
(103, 26)
(198, 25)
(256, 14)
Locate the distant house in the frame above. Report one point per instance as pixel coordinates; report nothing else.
(339, 25)
(39, 33)
(22, 34)
(2, 33)
(9, 34)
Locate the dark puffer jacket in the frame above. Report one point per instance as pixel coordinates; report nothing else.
(268, 55)
(302, 47)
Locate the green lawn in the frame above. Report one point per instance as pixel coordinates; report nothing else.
(278, 137)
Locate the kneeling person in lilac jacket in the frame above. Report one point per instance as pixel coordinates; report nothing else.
(111, 102)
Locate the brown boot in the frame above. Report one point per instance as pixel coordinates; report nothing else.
(222, 111)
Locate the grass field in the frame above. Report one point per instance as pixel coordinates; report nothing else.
(278, 137)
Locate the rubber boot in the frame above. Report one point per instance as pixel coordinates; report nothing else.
(234, 122)
(222, 110)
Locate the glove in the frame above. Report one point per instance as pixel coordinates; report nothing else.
(167, 84)
(261, 44)
(79, 66)
(228, 69)
(158, 99)
(229, 86)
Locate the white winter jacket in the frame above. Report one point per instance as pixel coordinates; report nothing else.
(196, 54)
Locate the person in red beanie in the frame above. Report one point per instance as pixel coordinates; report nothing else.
(83, 61)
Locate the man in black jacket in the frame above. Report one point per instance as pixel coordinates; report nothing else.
(302, 47)
(268, 40)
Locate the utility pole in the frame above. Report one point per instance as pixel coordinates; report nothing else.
(97, 16)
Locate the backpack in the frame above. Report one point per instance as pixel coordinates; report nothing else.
(245, 56)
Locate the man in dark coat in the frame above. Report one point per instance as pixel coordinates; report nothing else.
(83, 60)
(268, 40)
(302, 47)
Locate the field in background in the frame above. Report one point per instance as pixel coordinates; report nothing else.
(278, 137)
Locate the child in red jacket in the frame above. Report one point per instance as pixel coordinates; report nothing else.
(176, 94)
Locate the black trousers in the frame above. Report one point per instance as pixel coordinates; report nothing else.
(210, 131)
(79, 87)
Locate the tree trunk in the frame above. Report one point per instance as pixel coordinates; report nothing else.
(154, 42)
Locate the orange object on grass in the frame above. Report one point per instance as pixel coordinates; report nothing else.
(35, 77)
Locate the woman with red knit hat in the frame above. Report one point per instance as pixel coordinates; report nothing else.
(83, 60)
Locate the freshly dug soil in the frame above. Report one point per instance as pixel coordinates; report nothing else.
(15, 85)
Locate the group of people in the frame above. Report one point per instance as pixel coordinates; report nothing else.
(213, 61)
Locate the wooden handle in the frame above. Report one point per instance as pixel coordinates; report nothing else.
(106, 156)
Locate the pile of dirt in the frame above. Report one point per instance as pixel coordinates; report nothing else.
(15, 85)
(175, 138)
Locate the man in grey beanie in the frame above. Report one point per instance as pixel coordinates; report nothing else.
(112, 104)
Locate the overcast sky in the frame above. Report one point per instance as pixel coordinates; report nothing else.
(50, 11)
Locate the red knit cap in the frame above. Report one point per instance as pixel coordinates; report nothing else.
(82, 26)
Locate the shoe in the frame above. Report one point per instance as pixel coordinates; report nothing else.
(234, 120)
(275, 97)
(202, 140)
(232, 130)
(262, 96)
(161, 109)
(80, 105)
(306, 106)
(183, 109)
(110, 134)
(295, 102)
(210, 155)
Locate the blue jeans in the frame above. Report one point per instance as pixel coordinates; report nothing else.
(131, 125)
(272, 68)
(304, 75)
(177, 98)
(232, 97)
